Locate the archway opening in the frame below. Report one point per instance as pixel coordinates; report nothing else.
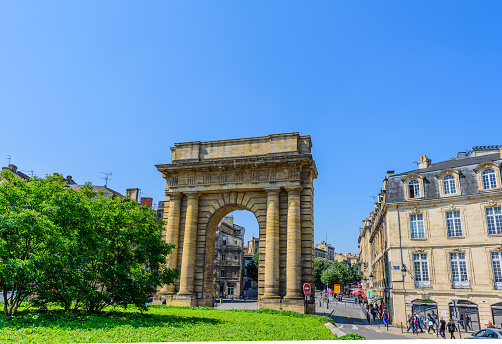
(228, 254)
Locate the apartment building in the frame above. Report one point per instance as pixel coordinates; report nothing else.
(433, 243)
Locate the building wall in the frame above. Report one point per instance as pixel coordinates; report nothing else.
(386, 243)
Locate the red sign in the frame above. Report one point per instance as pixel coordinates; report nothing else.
(306, 289)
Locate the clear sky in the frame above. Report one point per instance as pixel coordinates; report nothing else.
(109, 86)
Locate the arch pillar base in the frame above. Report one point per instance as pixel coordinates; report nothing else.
(290, 304)
(176, 300)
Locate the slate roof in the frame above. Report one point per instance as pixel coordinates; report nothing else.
(468, 178)
(106, 191)
(453, 163)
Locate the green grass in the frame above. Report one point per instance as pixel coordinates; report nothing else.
(162, 324)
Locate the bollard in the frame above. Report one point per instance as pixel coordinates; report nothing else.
(459, 333)
(402, 328)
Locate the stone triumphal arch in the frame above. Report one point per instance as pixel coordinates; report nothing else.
(271, 176)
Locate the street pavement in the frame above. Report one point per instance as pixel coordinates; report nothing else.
(348, 317)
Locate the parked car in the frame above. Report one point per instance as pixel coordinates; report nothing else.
(150, 301)
(487, 334)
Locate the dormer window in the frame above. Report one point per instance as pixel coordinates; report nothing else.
(489, 179)
(413, 185)
(449, 185)
(488, 174)
(414, 189)
(449, 182)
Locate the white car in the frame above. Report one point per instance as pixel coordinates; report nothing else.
(487, 334)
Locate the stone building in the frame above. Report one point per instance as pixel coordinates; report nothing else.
(433, 243)
(325, 250)
(228, 259)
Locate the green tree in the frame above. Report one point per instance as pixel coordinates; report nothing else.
(27, 233)
(320, 266)
(252, 267)
(77, 248)
(115, 255)
(337, 273)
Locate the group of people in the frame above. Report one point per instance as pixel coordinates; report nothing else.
(377, 311)
(415, 324)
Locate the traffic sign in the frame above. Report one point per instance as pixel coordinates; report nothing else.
(306, 289)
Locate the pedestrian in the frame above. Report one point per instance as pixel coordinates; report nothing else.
(164, 301)
(409, 321)
(451, 329)
(214, 302)
(244, 295)
(430, 321)
(374, 313)
(385, 318)
(417, 323)
(442, 327)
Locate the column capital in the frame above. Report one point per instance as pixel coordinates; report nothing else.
(193, 195)
(173, 195)
(271, 191)
(293, 189)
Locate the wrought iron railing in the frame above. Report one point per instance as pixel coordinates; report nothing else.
(460, 285)
(422, 284)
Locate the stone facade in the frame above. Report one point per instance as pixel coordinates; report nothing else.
(434, 239)
(271, 176)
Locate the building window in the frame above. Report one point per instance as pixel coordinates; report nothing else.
(453, 223)
(497, 270)
(224, 240)
(238, 232)
(414, 189)
(417, 226)
(494, 220)
(459, 271)
(223, 257)
(222, 273)
(236, 242)
(449, 185)
(489, 179)
(421, 268)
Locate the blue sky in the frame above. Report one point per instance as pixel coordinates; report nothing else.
(109, 86)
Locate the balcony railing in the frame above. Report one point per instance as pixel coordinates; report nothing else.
(460, 285)
(498, 285)
(422, 284)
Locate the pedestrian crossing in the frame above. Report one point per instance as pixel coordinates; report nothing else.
(355, 327)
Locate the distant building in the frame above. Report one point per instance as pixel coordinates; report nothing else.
(13, 169)
(228, 259)
(325, 250)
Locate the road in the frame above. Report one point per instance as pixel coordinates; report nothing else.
(349, 318)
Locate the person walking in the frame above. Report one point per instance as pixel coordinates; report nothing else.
(442, 327)
(430, 321)
(409, 321)
(451, 329)
(385, 318)
(417, 323)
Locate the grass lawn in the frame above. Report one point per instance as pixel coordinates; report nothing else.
(161, 324)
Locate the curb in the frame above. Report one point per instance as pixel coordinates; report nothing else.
(335, 330)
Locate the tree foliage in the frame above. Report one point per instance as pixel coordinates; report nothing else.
(76, 247)
(332, 272)
(252, 268)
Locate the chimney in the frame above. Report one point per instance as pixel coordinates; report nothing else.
(424, 162)
(13, 168)
(148, 201)
(229, 220)
(132, 194)
(390, 173)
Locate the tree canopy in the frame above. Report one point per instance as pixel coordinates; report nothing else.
(76, 247)
(332, 273)
(252, 268)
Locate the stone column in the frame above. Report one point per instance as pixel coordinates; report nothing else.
(172, 235)
(294, 248)
(187, 274)
(271, 289)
